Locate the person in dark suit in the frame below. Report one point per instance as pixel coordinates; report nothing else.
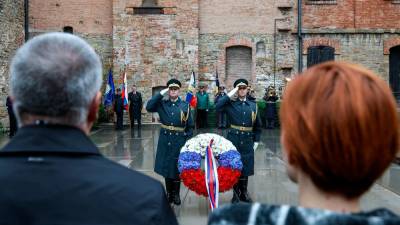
(51, 172)
(119, 110)
(244, 132)
(135, 107)
(11, 116)
(221, 116)
(270, 109)
(176, 127)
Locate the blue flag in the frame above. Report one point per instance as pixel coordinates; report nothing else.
(110, 90)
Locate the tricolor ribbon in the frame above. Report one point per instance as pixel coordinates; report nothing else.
(211, 177)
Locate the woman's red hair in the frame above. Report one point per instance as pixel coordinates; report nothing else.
(340, 127)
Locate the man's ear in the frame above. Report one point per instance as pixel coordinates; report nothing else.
(94, 108)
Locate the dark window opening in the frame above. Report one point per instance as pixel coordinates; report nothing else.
(68, 29)
(238, 63)
(148, 7)
(319, 54)
(394, 71)
(148, 10)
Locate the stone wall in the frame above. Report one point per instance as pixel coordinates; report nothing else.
(91, 20)
(87, 17)
(366, 49)
(264, 26)
(345, 14)
(11, 37)
(153, 48)
(212, 57)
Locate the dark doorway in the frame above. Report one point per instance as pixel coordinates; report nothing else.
(68, 29)
(238, 63)
(319, 54)
(394, 71)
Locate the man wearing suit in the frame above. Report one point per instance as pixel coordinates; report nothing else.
(11, 116)
(135, 107)
(119, 110)
(51, 172)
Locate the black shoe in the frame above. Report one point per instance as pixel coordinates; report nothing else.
(245, 197)
(170, 198)
(176, 199)
(236, 194)
(175, 191)
(244, 194)
(168, 186)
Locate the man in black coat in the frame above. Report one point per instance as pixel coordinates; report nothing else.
(51, 172)
(11, 116)
(135, 107)
(119, 110)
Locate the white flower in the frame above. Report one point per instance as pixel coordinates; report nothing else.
(200, 142)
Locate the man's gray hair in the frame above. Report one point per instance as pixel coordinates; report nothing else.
(55, 75)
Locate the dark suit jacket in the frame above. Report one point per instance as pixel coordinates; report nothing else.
(55, 175)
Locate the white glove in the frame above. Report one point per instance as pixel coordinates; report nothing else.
(233, 92)
(164, 91)
(255, 146)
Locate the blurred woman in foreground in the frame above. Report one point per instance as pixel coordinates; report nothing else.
(339, 133)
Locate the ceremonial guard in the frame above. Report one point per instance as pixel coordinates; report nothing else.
(244, 132)
(176, 128)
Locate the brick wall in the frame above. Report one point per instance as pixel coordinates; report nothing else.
(365, 49)
(359, 14)
(89, 16)
(154, 48)
(11, 37)
(234, 16)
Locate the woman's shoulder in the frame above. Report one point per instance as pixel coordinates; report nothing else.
(258, 214)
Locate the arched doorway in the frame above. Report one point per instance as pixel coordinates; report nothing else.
(238, 63)
(394, 71)
(319, 54)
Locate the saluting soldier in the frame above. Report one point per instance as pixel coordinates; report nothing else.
(244, 133)
(176, 128)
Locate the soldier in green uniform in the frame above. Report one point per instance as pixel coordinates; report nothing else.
(176, 128)
(244, 132)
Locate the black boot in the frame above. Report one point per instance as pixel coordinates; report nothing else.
(236, 193)
(176, 192)
(168, 186)
(244, 194)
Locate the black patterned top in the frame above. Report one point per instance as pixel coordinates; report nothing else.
(260, 214)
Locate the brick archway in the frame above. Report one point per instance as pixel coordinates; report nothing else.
(221, 64)
(318, 41)
(390, 43)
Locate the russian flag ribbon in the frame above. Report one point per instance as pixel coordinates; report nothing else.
(124, 95)
(211, 177)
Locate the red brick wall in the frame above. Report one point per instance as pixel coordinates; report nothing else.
(89, 16)
(359, 14)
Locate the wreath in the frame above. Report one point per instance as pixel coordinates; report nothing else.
(227, 160)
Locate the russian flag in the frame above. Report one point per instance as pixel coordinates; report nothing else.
(124, 94)
(190, 96)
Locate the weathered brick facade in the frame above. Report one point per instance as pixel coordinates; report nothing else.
(252, 38)
(11, 37)
(360, 31)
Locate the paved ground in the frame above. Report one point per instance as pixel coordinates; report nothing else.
(269, 185)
